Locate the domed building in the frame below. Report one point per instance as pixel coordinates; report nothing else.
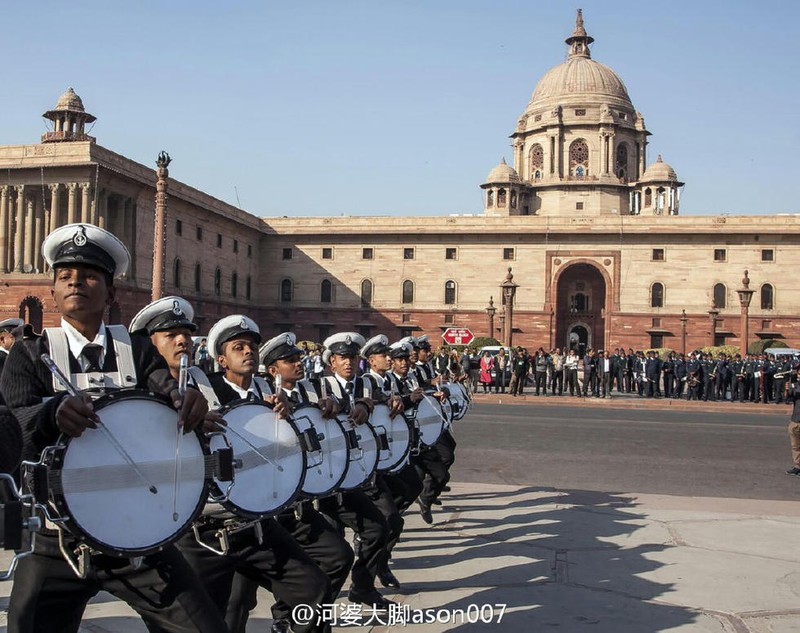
(580, 146)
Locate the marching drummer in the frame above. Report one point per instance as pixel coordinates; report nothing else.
(357, 509)
(47, 595)
(7, 339)
(405, 485)
(262, 551)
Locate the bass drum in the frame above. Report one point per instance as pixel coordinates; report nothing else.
(327, 466)
(398, 436)
(269, 462)
(363, 454)
(429, 419)
(459, 401)
(105, 501)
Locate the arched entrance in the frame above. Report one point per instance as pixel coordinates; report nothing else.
(30, 310)
(580, 300)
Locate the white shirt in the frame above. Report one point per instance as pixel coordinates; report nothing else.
(242, 393)
(78, 341)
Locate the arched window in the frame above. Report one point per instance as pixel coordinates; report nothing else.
(326, 291)
(450, 292)
(197, 277)
(648, 197)
(720, 296)
(536, 160)
(247, 288)
(408, 291)
(579, 158)
(176, 273)
(767, 297)
(657, 295)
(286, 291)
(234, 284)
(490, 198)
(217, 282)
(501, 197)
(621, 165)
(31, 311)
(366, 293)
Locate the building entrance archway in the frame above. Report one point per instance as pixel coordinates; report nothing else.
(580, 304)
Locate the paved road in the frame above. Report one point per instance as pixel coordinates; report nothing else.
(684, 453)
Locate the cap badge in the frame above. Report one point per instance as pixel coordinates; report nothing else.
(79, 239)
(348, 339)
(243, 324)
(288, 339)
(176, 308)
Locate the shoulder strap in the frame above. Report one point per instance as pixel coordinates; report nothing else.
(59, 352)
(308, 391)
(126, 368)
(204, 385)
(264, 386)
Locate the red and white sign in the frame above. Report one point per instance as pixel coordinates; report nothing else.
(458, 336)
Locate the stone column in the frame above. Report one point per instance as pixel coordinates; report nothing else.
(160, 229)
(86, 189)
(19, 234)
(4, 216)
(72, 203)
(55, 220)
(38, 228)
(28, 254)
(102, 211)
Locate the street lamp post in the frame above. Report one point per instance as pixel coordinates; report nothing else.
(745, 296)
(509, 289)
(684, 320)
(490, 312)
(713, 313)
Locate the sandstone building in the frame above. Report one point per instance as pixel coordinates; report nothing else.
(589, 226)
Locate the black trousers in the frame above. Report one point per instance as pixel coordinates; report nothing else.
(278, 564)
(429, 462)
(572, 381)
(405, 485)
(357, 511)
(165, 591)
(324, 545)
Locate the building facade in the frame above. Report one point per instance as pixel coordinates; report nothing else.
(599, 253)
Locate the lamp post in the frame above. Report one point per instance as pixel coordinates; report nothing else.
(490, 312)
(509, 289)
(745, 296)
(713, 313)
(684, 320)
(160, 226)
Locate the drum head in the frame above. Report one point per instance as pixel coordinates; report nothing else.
(328, 474)
(107, 504)
(269, 463)
(364, 459)
(398, 433)
(430, 420)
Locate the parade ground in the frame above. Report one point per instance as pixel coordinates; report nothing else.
(618, 516)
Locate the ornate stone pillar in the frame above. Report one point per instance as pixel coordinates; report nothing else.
(4, 217)
(55, 200)
(102, 211)
(160, 228)
(38, 228)
(72, 203)
(29, 215)
(86, 189)
(19, 234)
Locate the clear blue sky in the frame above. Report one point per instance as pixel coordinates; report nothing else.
(361, 107)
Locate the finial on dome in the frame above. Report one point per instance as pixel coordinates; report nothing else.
(503, 160)
(579, 41)
(659, 159)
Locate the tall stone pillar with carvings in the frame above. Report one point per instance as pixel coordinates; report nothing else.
(4, 223)
(509, 290)
(86, 209)
(160, 229)
(72, 203)
(19, 233)
(55, 208)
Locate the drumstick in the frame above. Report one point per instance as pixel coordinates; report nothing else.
(109, 435)
(183, 381)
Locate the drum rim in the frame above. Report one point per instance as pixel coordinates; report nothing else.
(373, 469)
(238, 510)
(59, 500)
(385, 469)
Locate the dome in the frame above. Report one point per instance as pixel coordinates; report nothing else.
(503, 173)
(70, 101)
(580, 80)
(659, 172)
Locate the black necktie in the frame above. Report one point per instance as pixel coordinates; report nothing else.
(349, 388)
(91, 353)
(294, 397)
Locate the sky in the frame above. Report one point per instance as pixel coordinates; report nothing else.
(346, 107)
